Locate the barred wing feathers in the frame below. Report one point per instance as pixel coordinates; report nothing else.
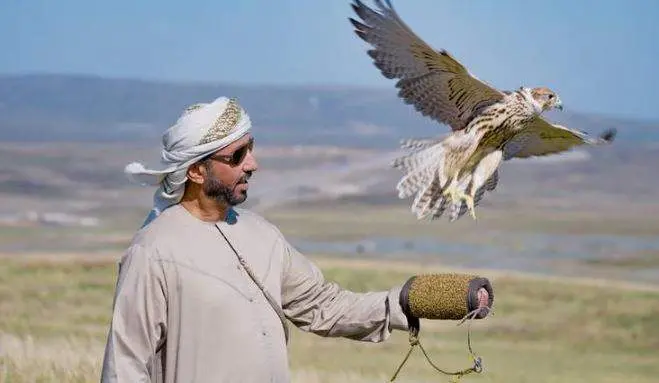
(541, 138)
(435, 83)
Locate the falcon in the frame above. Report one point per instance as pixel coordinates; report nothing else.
(487, 125)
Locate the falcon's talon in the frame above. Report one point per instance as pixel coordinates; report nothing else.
(453, 194)
(458, 197)
(469, 200)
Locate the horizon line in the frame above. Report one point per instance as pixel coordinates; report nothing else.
(302, 85)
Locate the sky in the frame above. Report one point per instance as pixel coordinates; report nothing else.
(600, 56)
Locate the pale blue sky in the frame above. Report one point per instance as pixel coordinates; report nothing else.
(600, 56)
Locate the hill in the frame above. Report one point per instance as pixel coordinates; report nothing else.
(85, 108)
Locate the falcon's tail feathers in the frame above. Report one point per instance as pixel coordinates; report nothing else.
(428, 200)
(419, 143)
(423, 169)
(424, 180)
(419, 166)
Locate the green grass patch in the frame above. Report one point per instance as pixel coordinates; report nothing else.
(54, 316)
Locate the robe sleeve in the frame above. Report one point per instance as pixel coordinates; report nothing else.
(139, 323)
(325, 308)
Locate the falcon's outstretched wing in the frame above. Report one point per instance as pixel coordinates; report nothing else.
(434, 82)
(540, 138)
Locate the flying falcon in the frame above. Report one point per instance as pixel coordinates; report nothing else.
(488, 126)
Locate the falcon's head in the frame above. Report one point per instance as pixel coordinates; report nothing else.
(546, 99)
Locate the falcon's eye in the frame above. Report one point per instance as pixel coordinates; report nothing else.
(551, 96)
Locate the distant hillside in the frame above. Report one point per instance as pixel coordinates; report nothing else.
(86, 108)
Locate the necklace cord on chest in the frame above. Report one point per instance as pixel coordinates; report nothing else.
(268, 296)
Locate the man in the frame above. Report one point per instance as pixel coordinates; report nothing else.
(205, 289)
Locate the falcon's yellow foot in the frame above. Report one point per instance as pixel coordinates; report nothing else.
(469, 200)
(456, 196)
(451, 193)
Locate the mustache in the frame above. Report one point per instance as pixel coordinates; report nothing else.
(244, 178)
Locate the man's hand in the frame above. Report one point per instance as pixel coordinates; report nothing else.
(483, 298)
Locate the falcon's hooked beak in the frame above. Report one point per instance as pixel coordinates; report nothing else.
(558, 104)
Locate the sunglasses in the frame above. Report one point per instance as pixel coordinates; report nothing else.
(237, 157)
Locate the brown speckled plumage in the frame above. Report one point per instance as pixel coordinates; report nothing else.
(488, 126)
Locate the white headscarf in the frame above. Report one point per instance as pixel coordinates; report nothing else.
(201, 130)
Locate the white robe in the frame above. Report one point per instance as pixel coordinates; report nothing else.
(186, 311)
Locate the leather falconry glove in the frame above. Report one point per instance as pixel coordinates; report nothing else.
(444, 296)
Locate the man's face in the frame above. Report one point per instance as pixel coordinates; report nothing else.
(228, 170)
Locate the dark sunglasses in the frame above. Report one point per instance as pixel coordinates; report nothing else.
(237, 157)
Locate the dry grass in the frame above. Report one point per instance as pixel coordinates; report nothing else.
(54, 313)
(26, 359)
(329, 220)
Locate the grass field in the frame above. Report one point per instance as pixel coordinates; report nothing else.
(54, 313)
(593, 218)
(344, 220)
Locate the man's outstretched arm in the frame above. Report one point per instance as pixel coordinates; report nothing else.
(325, 308)
(322, 307)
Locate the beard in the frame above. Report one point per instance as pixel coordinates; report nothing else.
(221, 192)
